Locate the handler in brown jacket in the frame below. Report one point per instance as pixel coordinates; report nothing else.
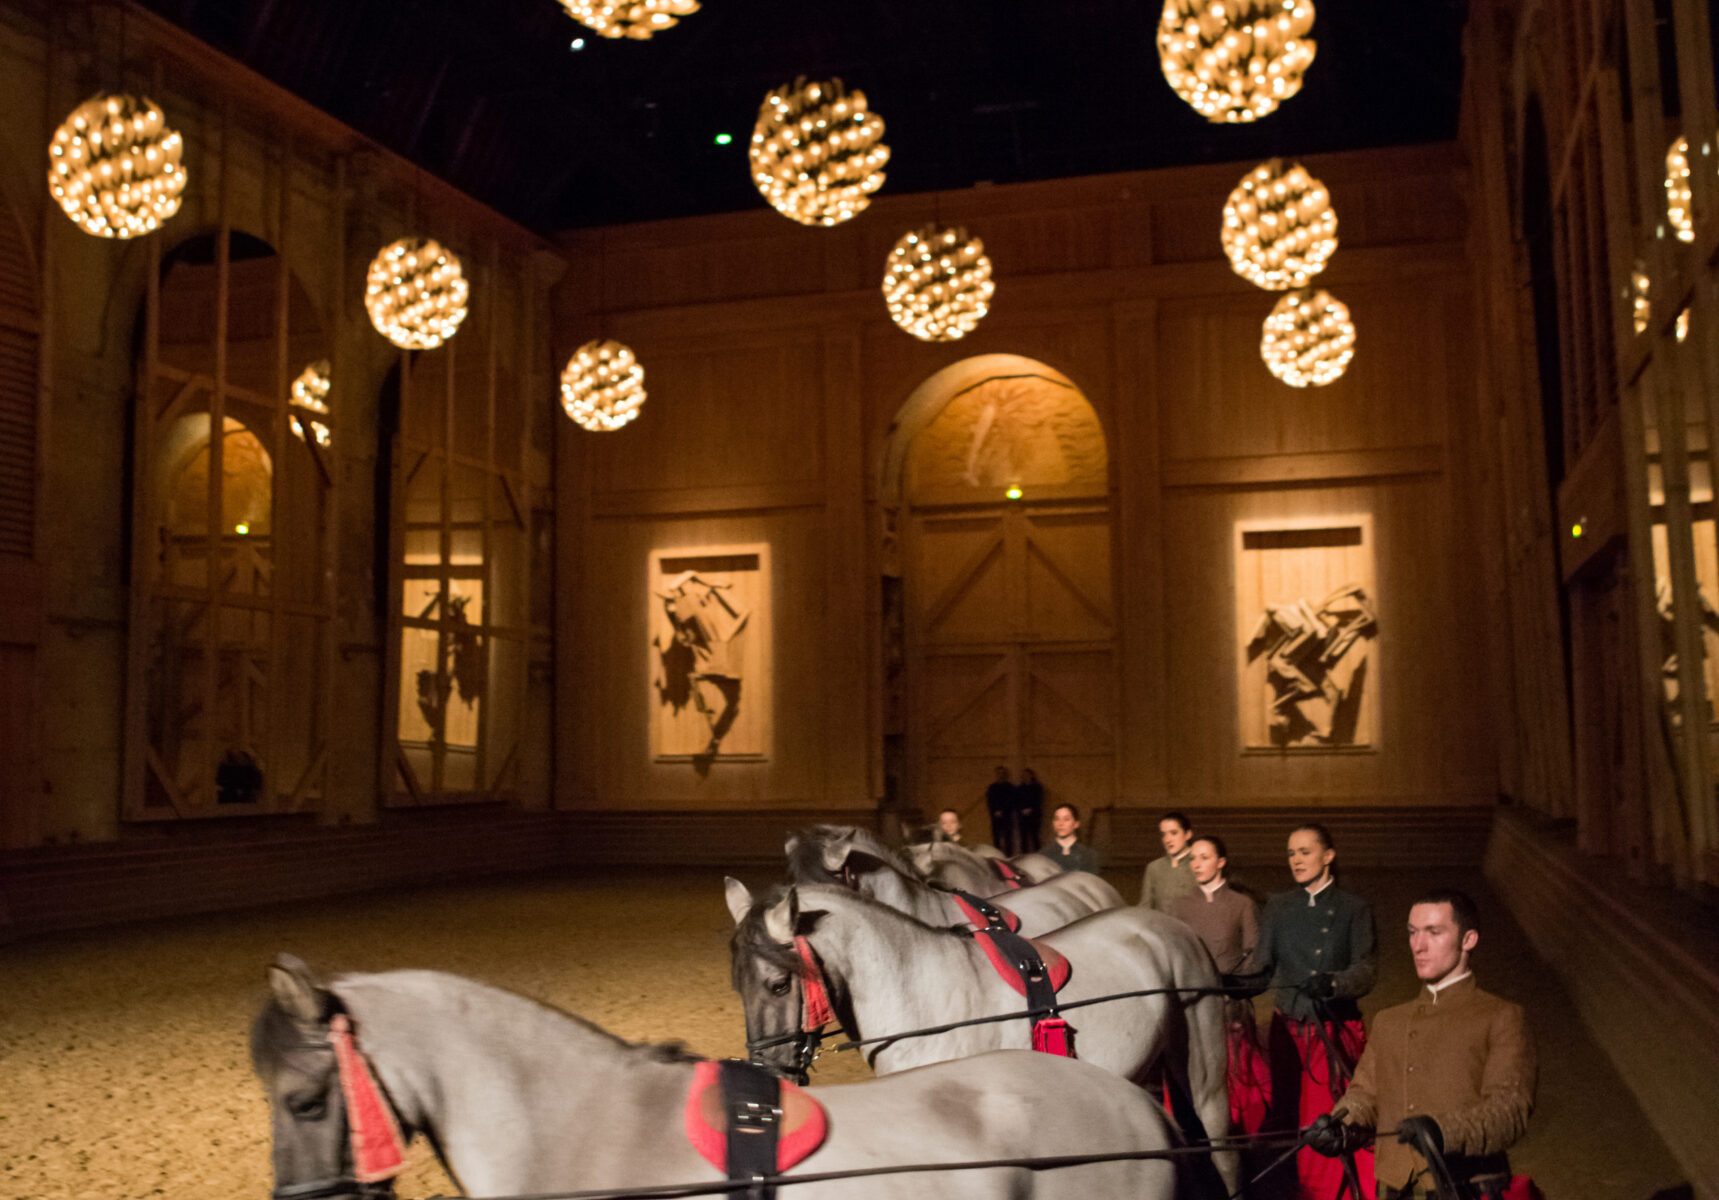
(1452, 1071)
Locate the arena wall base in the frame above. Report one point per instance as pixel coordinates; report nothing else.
(1643, 968)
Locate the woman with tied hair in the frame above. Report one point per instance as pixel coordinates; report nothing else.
(1318, 947)
(1228, 923)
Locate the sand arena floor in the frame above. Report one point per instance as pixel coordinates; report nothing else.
(123, 1060)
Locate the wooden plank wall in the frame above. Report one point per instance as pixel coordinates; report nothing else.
(1639, 963)
(775, 378)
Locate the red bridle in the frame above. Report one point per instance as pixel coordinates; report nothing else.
(378, 1150)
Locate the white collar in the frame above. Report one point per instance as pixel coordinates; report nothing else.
(1315, 892)
(1436, 988)
(1211, 889)
(1070, 844)
(1177, 860)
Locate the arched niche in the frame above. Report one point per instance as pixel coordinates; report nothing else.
(232, 548)
(999, 621)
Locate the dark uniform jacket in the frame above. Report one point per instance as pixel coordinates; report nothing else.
(1462, 1057)
(1078, 857)
(1301, 936)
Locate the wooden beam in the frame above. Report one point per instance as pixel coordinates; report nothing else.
(1267, 469)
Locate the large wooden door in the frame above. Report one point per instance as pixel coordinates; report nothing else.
(1011, 652)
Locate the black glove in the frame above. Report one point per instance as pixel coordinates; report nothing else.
(1332, 1137)
(1322, 986)
(1420, 1133)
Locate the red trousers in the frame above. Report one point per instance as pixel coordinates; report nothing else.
(1249, 1073)
(1305, 1087)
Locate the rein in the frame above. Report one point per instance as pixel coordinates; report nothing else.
(673, 1191)
(819, 1035)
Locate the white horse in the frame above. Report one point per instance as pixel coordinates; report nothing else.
(950, 865)
(885, 972)
(850, 856)
(518, 1098)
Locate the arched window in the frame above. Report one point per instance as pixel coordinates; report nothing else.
(460, 568)
(232, 603)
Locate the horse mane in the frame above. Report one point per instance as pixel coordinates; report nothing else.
(275, 1034)
(750, 938)
(806, 853)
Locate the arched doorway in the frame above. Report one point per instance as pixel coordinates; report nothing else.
(998, 587)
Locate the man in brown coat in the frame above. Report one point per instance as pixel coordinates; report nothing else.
(1449, 1074)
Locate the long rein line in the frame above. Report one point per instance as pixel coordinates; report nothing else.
(1048, 1163)
(1024, 1014)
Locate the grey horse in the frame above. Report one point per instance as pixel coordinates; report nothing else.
(519, 1098)
(950, 865)
(851, 856)
(885, 972)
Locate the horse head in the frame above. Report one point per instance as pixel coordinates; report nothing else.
(842, 854)
(784, 990)
(336, 1137)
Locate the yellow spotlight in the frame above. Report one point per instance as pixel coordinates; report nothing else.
(1577, 530)
(1014, 492)
(241, 529)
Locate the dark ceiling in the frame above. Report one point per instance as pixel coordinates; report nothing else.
(491, 95)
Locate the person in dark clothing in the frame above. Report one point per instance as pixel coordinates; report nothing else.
(1318, 945)
(1029, 810)
(1000, 800)
(1066, 847)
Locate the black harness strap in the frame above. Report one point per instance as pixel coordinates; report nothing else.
(752, 1099)
(994, 918)
(1023, 956)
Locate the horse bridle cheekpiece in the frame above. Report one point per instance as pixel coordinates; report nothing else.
(378, 1148)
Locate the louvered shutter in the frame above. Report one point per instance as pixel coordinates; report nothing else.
(20, 343)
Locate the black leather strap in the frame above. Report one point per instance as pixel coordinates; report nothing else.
(1023, 956)
(752, 1098)
(993, 915)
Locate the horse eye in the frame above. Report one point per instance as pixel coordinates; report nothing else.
(307, 1108)
(780, 987)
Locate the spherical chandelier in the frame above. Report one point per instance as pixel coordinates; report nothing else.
(416, 293)
(937, 283)
(817, 152)
(603, 386)
(1235, 60)
(113, 166)
(1679, 199)
(310, 394)
(636, 19)
(1308, 338)
(1279, 227)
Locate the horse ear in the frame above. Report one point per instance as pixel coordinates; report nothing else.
(837, 849)
(781, 917)
(739, 898)
(907, 831)
(296, 989)
(792, 844)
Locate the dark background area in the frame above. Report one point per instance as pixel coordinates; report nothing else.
(492, 97)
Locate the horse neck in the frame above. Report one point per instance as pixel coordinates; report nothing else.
(894, 968)
(911, 895)
(461, 1060)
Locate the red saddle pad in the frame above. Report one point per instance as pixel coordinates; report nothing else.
(804, 1122)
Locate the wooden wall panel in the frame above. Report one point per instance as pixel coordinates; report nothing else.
(612, 713)
(720, 416)
(1220, 401)
(1432, 746)
(1119, 284)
